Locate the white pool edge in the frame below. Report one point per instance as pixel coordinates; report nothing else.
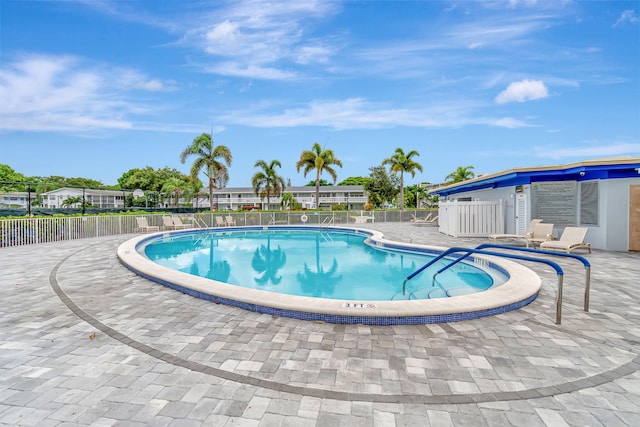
(522, 285)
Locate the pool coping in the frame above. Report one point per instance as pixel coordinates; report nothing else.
(520, 289)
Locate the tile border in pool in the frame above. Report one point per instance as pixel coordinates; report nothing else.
(521, 288)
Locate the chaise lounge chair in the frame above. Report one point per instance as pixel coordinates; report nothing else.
(415, 219)
(220, 221)
(143, 225)
(178, 224)
(530, 228)
(542, 232)
(572, 238)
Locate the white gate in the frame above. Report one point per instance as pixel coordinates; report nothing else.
(471, 219)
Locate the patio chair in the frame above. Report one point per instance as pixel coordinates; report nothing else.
(178, 224)
(220, 221)
(542, 232)
(229, 220)
(530, 228)
(167, 223)
(143, 225)
(571, 238)
(416, 220)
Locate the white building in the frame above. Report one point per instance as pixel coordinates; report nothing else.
(16, 199)
(353, 197)
(602, 195)
(96, 198)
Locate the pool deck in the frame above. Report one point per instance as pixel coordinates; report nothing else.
(84, 341)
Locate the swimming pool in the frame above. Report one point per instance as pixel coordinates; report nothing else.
(267, 294)
(316, 263)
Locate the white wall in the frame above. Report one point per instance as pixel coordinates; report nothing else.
(611, 234)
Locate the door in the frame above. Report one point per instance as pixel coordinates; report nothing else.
(634, 218)
(521, 214)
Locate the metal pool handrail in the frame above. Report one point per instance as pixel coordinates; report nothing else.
(583, 260)
(469, 251)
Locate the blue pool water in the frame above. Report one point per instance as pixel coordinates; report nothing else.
(315, 263)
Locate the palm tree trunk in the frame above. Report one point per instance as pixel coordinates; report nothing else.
(318, 190)
(401, 191)
(210, 193)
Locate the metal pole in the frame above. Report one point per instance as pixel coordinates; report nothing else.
(83, 202)
(587, 288)
(559, 301)
(29, 200)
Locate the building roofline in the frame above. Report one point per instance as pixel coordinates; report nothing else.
(490, 180)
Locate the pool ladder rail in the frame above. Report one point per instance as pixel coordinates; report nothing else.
(481, 250)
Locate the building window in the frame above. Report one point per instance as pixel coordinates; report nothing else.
(589, 203)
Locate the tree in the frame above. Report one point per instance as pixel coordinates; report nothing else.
(414, 194)
(267, 182)
(175, 187)
(381, 186)
(401, 162)
(9, 179)
(69, 202)
(288, 201)
(355, 180)
(462, 173)
(321, 161)
(312, 183)
(214, 160)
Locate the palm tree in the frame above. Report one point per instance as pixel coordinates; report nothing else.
(321, 161)
(462, 173)
(401, 162)
(213, 159)
(288, 201)
(174, 187)
(267, 182)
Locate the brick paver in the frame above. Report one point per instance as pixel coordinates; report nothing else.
(85, 341)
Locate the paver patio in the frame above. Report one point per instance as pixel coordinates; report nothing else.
(84, 341)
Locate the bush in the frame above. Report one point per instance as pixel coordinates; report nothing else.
(338, 207)
(368, 207)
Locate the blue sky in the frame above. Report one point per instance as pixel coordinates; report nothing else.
(95, 88)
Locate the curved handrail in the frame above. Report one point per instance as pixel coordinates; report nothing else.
(583, 260)
(469, 251)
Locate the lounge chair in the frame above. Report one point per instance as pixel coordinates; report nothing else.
(143, 225)
(542, 232)
(178, 224)
(572, 238)
(220, 222)
(530, 228)
(416, 220)
(229, 220)
(167, 223)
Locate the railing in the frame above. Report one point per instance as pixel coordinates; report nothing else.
(583, 260)
(27, 231)
(466, 252)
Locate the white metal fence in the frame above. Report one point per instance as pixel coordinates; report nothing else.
(27, 231)
(471, 219)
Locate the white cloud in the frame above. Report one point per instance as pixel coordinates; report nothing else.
(259, 36)
(594, 151)
(60, 93)
(358, 113)
(627, 16)
(525, 90)
(510, 122)
(250, 71)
